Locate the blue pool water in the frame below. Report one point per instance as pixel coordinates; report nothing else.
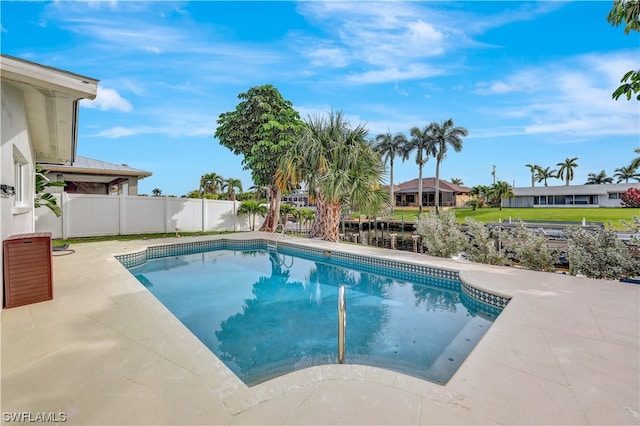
(265, 313)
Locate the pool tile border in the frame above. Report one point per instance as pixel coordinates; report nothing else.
(131, 260)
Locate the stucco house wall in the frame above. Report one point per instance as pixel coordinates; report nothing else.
(15, 217)
(568, 196)
(39, 123)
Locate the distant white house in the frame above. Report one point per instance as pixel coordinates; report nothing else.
(39, 125)
(604, 195)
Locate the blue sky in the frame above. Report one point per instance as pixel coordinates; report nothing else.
(531, 81)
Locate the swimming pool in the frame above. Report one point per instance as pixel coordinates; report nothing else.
(267, 312)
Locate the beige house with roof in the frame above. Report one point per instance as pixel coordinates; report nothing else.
(451, 195)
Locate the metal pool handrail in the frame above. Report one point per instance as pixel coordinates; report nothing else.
(284, 228)
(342, 322)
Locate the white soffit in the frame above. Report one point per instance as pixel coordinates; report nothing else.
(51, 101)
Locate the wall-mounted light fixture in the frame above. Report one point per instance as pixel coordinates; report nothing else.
(7, 191)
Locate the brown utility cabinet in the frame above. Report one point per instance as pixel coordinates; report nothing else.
(27, 269)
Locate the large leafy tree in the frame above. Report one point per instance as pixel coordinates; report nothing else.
(391, 147)
(566, 169)
(443, 135)
(261, 128)
(534, 169)
(340, 168)
(424, 147)
(627, 12)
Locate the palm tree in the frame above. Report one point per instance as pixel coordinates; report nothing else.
(390, 147)
(626, 173)
(230, 185)
(479, 193)
(306, 216)
(252, 208)
(566, 169)
(444, 134)
(534, 169)
(340, 168)
(210, 183)
(259, 192)
(457, 181)
(285, 211)
(156, 192)
(598, 179)
(424, 146)
(635, 163)
(43, 198)
(546, 173)
(501, 190)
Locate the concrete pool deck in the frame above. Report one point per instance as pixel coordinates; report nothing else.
(566, 350)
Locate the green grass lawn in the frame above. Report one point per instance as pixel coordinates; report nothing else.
(61, 242)
(489, 214)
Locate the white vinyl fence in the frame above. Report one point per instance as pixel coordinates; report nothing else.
(85, 215)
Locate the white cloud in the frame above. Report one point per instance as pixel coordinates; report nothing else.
(153, 49)
(108, 99)
(411, 72)
(115, 132)
(567, 99)
(399, 91)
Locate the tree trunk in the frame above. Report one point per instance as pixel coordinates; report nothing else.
(420, 189)
(437, 198)
(327, 223)
(273, 216)
(391, 192)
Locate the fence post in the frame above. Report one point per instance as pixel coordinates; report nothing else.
(122, 212)
(64, 201)
(204, 215)
(166, 215)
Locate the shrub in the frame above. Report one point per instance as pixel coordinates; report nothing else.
(599, 254)
(440, 234)
(530, 249)
(481, 246)
(631, 197)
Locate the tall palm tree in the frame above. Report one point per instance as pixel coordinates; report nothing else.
(534, 169)
(546, 173)
(635, 163)
(340, 167)
(598, 179)
(210, 183)
(424, 146)
(566, 169)
(444, 134)
(230, 185)
(501, 190)
(390, 147)
(156, 192)
(626, 173)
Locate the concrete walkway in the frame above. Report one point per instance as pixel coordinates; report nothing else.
(105, 351)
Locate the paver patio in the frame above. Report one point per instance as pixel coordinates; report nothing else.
(566, 350)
